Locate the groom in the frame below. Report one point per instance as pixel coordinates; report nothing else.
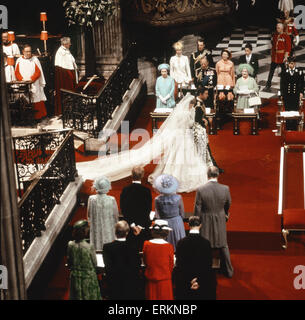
(200, 117)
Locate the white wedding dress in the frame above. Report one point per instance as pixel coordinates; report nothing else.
(172, 148)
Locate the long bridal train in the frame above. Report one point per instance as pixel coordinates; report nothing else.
(172, 148)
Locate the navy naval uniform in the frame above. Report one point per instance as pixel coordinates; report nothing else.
(207, 79)
(195, 61)
(292, 85)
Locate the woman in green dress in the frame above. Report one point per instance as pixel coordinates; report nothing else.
(245, 86)
(82, 263)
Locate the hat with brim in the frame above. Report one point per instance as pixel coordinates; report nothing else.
(166, 184)
(160, 224)
(80, 224)
(243, 66)
(163, 66)
(102, 185)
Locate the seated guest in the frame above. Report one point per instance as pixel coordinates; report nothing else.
(250, 59)
(225, 74)
(122, 264)
(28, 68)
(158, 256)
(207, 78)
(195, 58)
(195, 279)
(165, 88)
(102, 214)
(245, 86)
(136, 204)
(179, 66)
(9, 70)
(169, 206)
(66, 76)
(9, 48)
(82, 262)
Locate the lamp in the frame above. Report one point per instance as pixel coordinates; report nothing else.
(11, 36)
(44, 37)
(10, 60)
(43, 16)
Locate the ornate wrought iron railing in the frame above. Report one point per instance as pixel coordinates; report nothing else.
(90, 113)
(47, 187)
(32, 153)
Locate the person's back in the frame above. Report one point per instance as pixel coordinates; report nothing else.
(214, 198)
(81, 259)
(122, 264)
(194, 260)
(136, 204)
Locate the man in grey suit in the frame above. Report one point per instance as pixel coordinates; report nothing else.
(212, 204)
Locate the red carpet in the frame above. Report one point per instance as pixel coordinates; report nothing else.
(262, 269)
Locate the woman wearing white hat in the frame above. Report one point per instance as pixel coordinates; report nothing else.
(158, 256)
(165, 88)
(169, 206)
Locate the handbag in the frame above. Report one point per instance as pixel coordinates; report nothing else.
(255, 101)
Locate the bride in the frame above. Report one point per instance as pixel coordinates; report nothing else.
(179, 148)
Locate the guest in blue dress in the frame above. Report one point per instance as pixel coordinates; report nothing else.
(169, 206)
(165, 88)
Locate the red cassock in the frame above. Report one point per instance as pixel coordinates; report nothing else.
(159, 261)
(39, 106)
(64, 79)
(281, 46)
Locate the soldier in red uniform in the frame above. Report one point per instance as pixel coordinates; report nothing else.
(290, 29)
(281, 47)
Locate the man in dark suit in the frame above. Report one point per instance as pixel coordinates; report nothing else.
(195, 278)
(122, 265)
(212, 204)
(136, 205)
(249, 58)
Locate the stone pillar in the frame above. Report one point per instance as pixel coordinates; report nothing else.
(108, 41)
(80, 57)
(11, 256)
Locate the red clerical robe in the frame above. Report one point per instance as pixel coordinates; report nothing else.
(30, 70)
(65, 75)
(281, 47)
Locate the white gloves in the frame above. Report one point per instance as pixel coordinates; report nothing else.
(164, 99)
(297, 40)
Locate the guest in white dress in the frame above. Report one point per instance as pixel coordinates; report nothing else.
(179, 66)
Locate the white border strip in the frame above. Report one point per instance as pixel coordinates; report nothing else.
(281, 180)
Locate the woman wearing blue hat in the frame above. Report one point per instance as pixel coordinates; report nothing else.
(102, 214)
(165, 88)
(169, 206)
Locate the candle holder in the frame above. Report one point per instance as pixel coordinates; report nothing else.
(43, 18)
(44, 38)
(11, 36)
